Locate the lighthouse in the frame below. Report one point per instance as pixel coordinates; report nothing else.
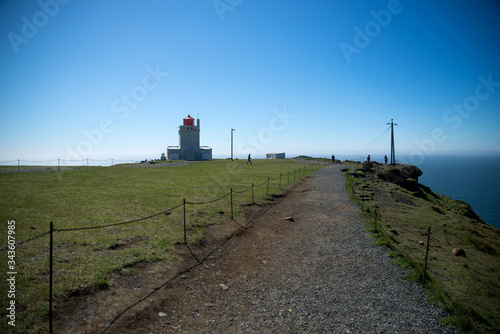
(189, 143)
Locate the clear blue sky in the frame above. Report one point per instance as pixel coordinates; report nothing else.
(114, 79)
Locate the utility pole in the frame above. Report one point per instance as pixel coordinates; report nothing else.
(232, 130)
(393, 152)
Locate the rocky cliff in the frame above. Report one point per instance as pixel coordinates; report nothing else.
(464, 250)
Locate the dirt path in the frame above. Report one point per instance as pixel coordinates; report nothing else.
(318, 272)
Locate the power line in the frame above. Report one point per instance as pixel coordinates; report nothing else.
(367, 145)
(323, 129)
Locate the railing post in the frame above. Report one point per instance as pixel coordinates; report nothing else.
(252, 194)
(232, 203)
(294, 171)
(427, 253)
(280, 180)
(18, 166)
(288, 175)
(51, 246)
(185, 232)
(267, 192)
(362, 199)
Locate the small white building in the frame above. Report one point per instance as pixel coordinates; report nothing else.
(275, 155)
(189, 143)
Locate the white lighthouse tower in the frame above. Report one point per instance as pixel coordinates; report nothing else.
(189, 143)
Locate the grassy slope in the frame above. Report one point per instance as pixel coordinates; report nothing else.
(106, 195)
(403, 220)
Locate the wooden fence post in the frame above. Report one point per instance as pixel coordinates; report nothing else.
(363, 200)
(252, 194)
(185, 231)
(232, 203)
(51, 246)
(427, 253)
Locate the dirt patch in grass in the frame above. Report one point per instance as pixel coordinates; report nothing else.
(129, 242)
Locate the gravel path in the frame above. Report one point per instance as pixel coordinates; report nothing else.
(320, 272)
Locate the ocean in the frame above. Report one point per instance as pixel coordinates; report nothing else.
(472, 179)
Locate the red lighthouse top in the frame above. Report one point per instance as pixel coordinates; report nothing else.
(188, 120)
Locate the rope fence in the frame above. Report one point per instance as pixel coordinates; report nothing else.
(209, 202)
(18, 243)
(429, 273)
(62, 164)
(186, 229)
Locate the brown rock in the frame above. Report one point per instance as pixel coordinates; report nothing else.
(403, 175)
(459, 252)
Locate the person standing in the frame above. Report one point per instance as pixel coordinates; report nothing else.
(249, 160)
(385, 159)
(333, 159)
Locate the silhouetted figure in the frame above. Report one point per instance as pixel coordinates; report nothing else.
(385, 159)
(368, 158)
(333, 159)
(249, 160)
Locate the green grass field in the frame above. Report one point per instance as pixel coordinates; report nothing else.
(97, 196)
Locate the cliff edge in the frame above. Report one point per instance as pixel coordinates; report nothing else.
(463, 260)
